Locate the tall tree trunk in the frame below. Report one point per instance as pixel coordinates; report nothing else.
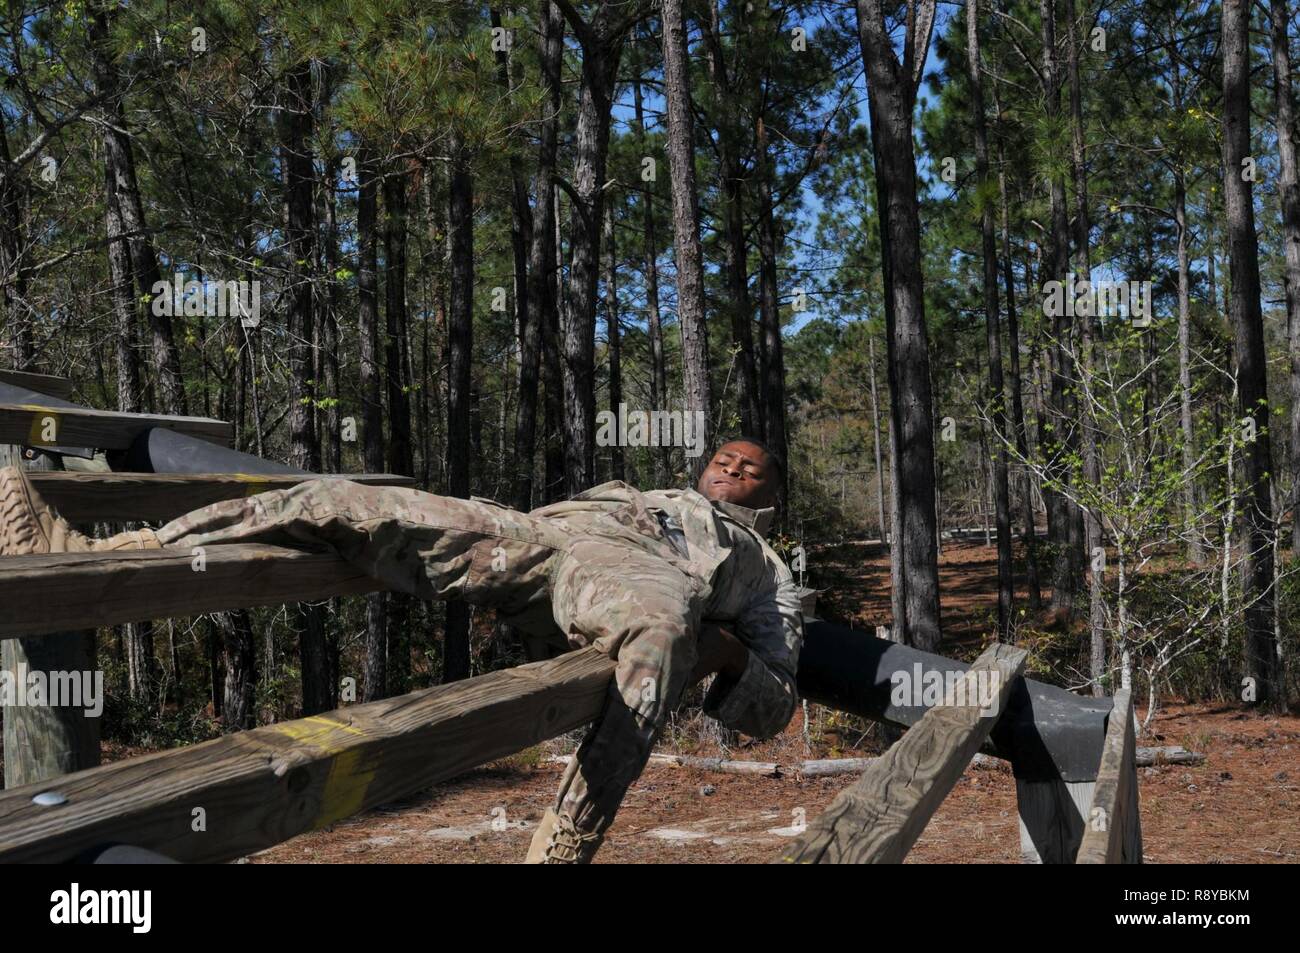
(372, 405)
(297, 124)
(891, 88)
(1029, 535)
(875, 439)
(15, 263)
(540, 298)
(1091, 460)
(686, 231)
(1195, 551)
(602, 47)
(1262, 663)
(460, 341)
(119, 159)
(997, 399)
(1060, 516)
(400, 454)
(613, 339)
(553, 379)
(772, 385)
(650, 250)
(736, 268)
(329, 323)
(1288, 141)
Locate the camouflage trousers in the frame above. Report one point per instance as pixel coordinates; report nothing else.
(602, 586)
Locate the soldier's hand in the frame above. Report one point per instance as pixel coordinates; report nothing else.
(719, 651)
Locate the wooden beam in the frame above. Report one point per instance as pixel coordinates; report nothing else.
(114, 497)
(36, 425)
(60, 387)
(253, 789)
(62, 591)
(1113, 832)
(879, 818)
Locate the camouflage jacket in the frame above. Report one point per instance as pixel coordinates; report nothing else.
(748, 588)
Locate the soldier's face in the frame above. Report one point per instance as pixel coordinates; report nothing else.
(739, 473)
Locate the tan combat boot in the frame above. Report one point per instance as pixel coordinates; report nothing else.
(558, 841)
(30, 526)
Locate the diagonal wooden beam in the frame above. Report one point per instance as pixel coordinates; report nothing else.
(1112, 831)
(253, 789)
(111, 497)
(879, 818)
(39, 425)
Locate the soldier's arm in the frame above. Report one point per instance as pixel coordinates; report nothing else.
(762, 699)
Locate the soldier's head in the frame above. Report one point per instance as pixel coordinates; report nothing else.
(743, 471)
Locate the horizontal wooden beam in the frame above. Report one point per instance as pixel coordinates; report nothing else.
(255, 789)
(879, 817)
(112, 497)
(38, 425)
(1112, 832)
(59, 387)
(64, 591)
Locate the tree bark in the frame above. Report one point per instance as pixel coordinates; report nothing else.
(602, 48)
(372, 405)
(1091, 461)
(460, 339)
(1262, 664)
(1060, 515)
(540, 297)
(1025, 486)
(1288, 141)
(613, 340)
(650, 251)
(891, 88)
(686, 230)
(732, 188)
(120, 161)
(996, 396)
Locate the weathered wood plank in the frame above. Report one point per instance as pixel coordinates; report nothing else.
(123, 497)
(62, 591)
(36, 425)
(60, 387)
(257, 788)
(1113, 831)
(879, 818)
(1051, 813)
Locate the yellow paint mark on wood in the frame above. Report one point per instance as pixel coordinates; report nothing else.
(345, 789)
(349, 777)
(319, 732)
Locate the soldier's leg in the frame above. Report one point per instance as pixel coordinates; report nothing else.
(433, 547)
(645, 613)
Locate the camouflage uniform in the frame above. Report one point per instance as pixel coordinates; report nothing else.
(608, 568)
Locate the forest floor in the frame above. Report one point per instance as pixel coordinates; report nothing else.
(1241, 805)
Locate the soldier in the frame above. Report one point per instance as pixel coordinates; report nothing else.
(634, 574)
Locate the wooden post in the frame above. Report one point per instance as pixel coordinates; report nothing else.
(1113, 832)
(879, 818)
(43, 741)
(1051, 819)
